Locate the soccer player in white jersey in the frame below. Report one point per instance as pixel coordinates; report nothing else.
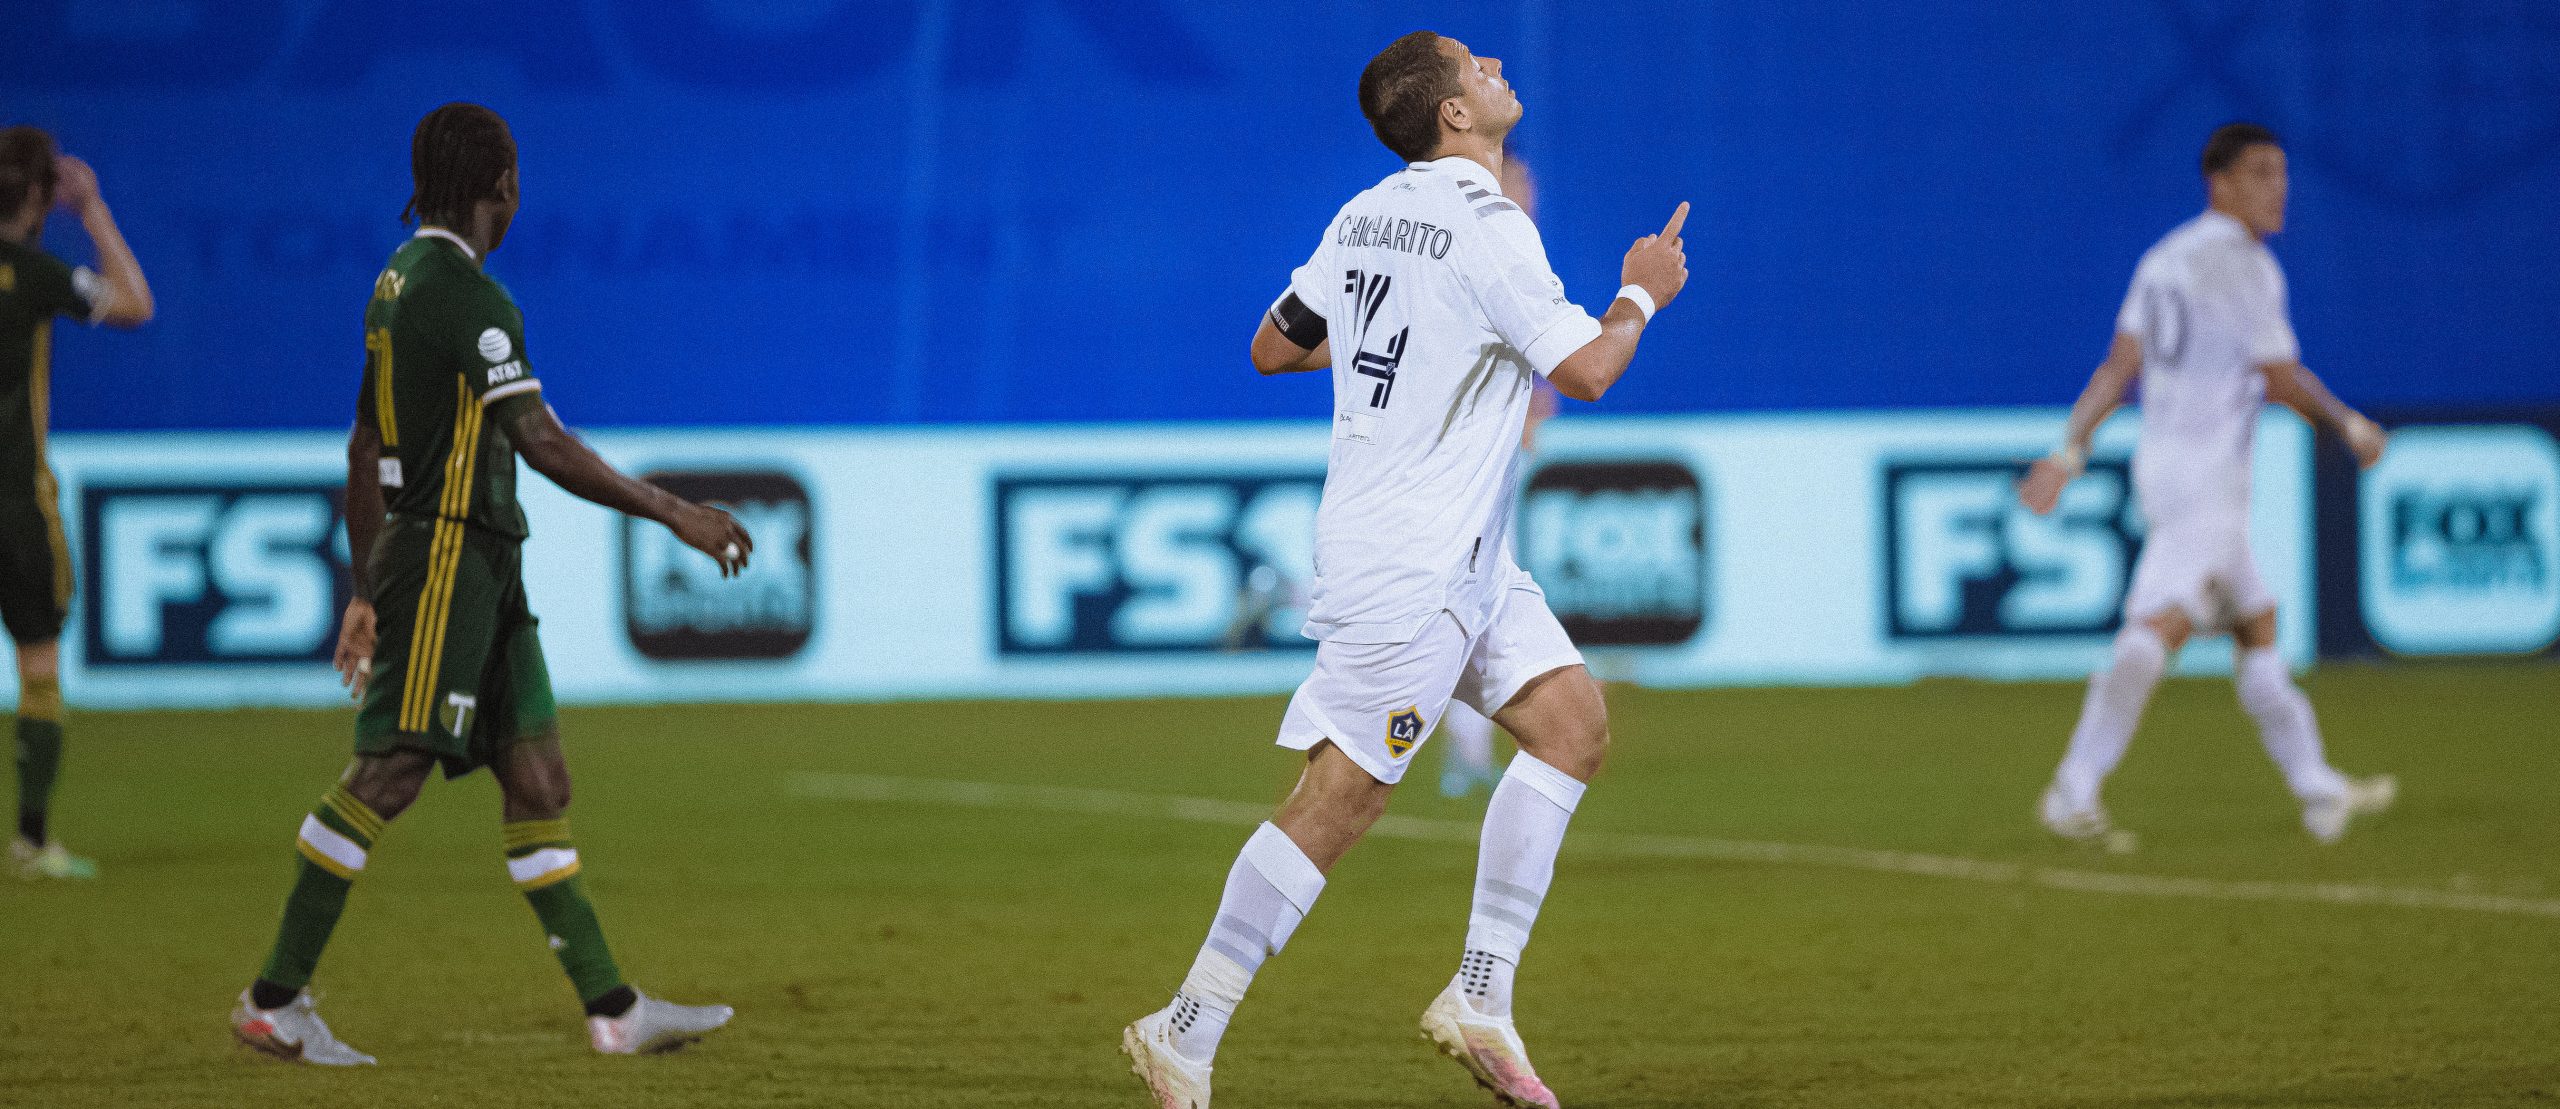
(2206, 329)
(1430, 298)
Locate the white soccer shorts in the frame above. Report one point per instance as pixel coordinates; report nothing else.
(2201, 567)
(1376, 701)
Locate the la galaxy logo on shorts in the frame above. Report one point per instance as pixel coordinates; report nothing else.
(1404, 729)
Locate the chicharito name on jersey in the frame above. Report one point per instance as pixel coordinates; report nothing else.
(1393, 233)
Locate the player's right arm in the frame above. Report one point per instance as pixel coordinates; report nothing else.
(557, 453)
(2042, 488)
(354, 658)
(1291, 339)
(127, 299)
(1655, 264)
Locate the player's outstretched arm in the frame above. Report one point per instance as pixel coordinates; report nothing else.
(2293, 385)
(557, 453)
(354, 658)
(1291, 339)
(2098, 400)
(1658, 267)
(77, 192)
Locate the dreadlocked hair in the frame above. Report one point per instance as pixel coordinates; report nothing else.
(26, 169)
(455, 160)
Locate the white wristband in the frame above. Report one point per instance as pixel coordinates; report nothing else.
(1640, 298)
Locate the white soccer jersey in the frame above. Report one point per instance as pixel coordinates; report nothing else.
(1440, 305)
(2208, 305)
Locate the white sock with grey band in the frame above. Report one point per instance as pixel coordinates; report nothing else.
(1523, 828)
(1269, 890)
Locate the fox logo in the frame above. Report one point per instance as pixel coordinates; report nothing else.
(1404, 729)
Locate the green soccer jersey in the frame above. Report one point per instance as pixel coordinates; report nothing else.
(35, 287)
(444, 371)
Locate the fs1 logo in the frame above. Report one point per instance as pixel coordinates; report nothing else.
(213, 573)
(675, 604)
(2460, 537)
(1153, 563)
(1620, 548)
(1964, 558)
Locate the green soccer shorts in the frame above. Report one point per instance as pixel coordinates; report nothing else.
(35, 564)
(457, 666)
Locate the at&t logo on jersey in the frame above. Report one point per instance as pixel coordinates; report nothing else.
(212, 573)
(2460, 540)
(1964, 558)
(1620, 548)
(1106, 563)
(676, 606)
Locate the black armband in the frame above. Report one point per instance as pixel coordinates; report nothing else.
(1297, 323)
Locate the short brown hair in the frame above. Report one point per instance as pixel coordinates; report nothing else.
(1401, 91)
(26, 168)
(2230, 140)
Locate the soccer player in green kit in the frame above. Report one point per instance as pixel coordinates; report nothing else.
(35, 563)
(438, 643)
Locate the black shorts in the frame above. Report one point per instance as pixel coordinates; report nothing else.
(35, 563)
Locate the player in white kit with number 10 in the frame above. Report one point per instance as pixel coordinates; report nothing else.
(2207, 330)
(1431, 299)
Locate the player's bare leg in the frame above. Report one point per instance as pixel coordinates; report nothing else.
(2292, 736)
(276, 1013)
(1562, 725)
(33, 852)
(533, 777)
(2108, 716)
(1273, 883)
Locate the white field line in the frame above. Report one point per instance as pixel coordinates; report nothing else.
(1105, 802)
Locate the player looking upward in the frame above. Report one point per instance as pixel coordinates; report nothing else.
(438, 642)
(1430, 298)
(2207, 330)
(35, 563)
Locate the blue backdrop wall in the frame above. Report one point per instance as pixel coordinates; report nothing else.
(1032, 210)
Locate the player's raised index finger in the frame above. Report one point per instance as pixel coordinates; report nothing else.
(1679, 215)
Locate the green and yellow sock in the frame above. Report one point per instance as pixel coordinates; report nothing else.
(334, 841)
(545, 867)
(39, 752)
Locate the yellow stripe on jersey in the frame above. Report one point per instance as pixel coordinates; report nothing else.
(427, 634)
(39, 405)
(435, 609)
(378, 341)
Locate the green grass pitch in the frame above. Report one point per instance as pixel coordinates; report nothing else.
(917, 952)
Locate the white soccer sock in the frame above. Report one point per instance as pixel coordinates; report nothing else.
(2286, 724)
(2110, 712)
(1523, 827)
(1470, 737)
(1269, 890)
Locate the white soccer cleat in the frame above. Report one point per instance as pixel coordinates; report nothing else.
(650, 1026)
(294, 1033)
(2326, 817)
(1172, 1078)
(2083, 825)
(1488, 1047)
(50, 861)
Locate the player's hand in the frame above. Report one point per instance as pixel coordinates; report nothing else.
(2366, 438)
(716, 533)
(75, 185)
(1657, 261)
(2042, 487)
(355, 647)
